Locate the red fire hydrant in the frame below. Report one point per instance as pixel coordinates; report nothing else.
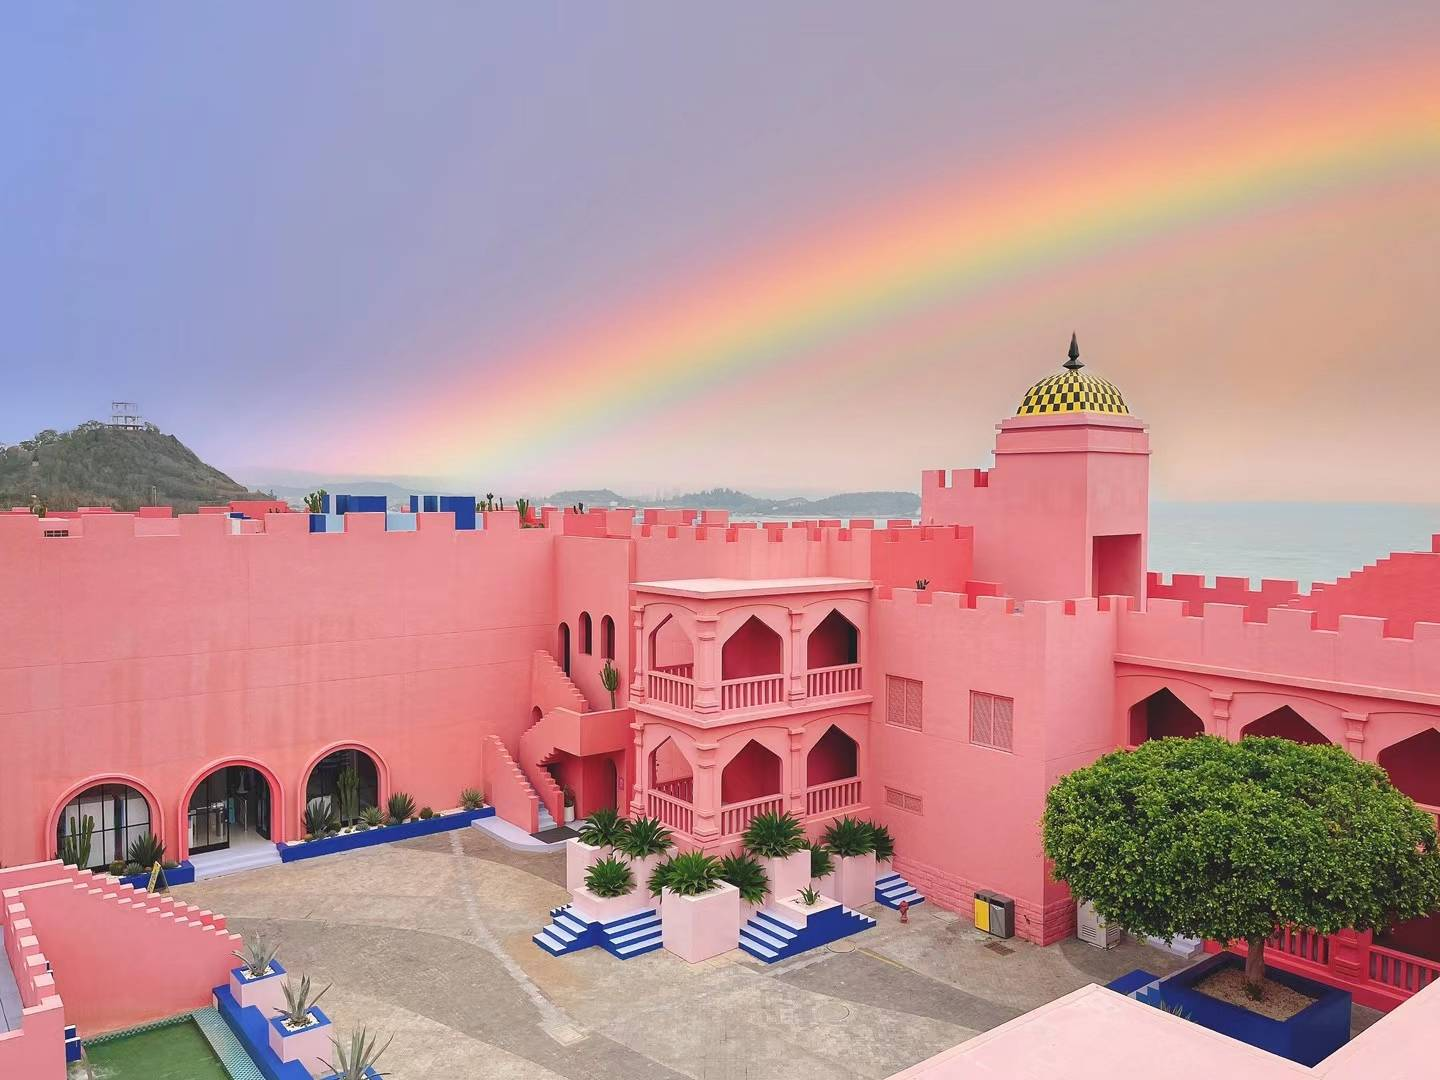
(905, 911)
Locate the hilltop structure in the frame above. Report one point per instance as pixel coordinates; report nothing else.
(203, 676)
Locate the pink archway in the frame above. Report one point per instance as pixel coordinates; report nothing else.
(52, 820)
(1285, 723)
(1162, 715)
(279, 823)
(382, 774)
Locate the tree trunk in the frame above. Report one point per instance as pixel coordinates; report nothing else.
(1255, 965)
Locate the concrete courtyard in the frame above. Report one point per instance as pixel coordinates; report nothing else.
(429, 939)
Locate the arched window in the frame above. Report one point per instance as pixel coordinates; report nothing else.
(565, 647)
(121, 814)
(585, 642)
(607, 638)
(324, 780)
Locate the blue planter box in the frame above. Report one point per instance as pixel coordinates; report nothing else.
(1308, 1037)
(183, 874)
(253, 1031)
(329, 845)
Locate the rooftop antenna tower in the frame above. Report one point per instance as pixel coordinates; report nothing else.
(125, 416)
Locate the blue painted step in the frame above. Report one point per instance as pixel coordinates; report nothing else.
(630, 935)
(770, 938)
(253, 1031)
(1131, 981)
(892, 888)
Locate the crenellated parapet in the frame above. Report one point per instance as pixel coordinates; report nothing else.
(1356, 656)
(1193, 589)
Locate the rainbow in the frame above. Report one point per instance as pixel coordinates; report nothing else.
(1175, 174)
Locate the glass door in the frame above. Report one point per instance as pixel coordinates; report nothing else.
(209, 814)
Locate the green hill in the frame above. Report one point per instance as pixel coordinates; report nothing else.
(96, 465)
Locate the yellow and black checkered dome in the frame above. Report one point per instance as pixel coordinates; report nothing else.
(1071, 391)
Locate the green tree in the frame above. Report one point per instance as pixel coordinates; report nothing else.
(1207, 838)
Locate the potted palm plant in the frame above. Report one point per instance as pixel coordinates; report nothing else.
(259, 981)
(608, 892)
(749, 878)
(699, 913)
(301, 1032)
(778, 842)
(598, 839)
(357, 1060)
(644, 841)
(852, 842)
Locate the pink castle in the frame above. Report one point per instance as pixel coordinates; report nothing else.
(203, 677)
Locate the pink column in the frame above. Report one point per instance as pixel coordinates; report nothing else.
(707, 665)
(797, 656)
(1220, 711)
(707, 792)
(795, 766)
(642, 662)
(1355, 733)
(642, 771)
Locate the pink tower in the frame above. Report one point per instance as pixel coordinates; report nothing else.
(1064, 512)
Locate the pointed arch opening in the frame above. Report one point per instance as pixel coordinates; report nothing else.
(835, 642)
(1285, 723)
(753, 650)
(753, 773)
(835, 756)
(1162, 715)
(670, 772)
(1414, 766)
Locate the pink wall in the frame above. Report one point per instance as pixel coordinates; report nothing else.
(1403, 589)
(753, 649)
(166, 655)
(966, 816)
(121, 957)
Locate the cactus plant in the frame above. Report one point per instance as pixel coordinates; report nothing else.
(922, 583)
(319, 816)
(75, 846)
(472, 798)
(610, 679)
(315, 501)
(372, 817)
(348, 787)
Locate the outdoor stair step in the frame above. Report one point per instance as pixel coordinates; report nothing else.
(774, 926)
(635, 948)
(571, 923)
(891, 889)
(549, 944)
(633, 922)
(761, 936)
(635, 935)
(754, 948)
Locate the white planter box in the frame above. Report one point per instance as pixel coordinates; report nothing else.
(642, 867)
(266, 993)
(578, 860)
(792, 910)
(696, 928)
(310, 1046)
(853, 882)
(788, 874)
(605, 909)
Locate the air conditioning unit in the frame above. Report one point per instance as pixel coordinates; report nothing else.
(1093, 930)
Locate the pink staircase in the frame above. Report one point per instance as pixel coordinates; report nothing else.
(507, 789)
(1403, 588)
(116, 956)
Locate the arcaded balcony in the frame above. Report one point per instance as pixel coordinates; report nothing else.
(711, 648)
(708, 793)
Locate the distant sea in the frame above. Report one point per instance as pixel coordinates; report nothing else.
(1306, 541)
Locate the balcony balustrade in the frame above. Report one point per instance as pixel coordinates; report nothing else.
(675, 813)
(675, 686)
(828, 798)
(735, 818)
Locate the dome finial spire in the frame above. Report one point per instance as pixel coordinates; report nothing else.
(1074, 363)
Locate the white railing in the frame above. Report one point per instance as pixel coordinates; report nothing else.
(748, 693)
(823, 682)
(836, 795)
(685, 671)
(672, 690)
(736, 817)
(674, 813)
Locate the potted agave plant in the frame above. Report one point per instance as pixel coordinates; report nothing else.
(569, 806)
(301, 1032)
(884, 849)
(853, 843)
(259, 981)
(778, 842)
(749, 878)
(644, 841)
(598, 838)
(699, 912)
(357, 1060)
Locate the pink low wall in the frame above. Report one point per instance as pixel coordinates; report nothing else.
(116, 962)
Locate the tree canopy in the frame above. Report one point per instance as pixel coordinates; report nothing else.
(1206, 838)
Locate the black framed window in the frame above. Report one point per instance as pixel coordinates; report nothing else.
(121, 814)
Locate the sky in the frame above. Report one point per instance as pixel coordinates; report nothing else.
(790, 248)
